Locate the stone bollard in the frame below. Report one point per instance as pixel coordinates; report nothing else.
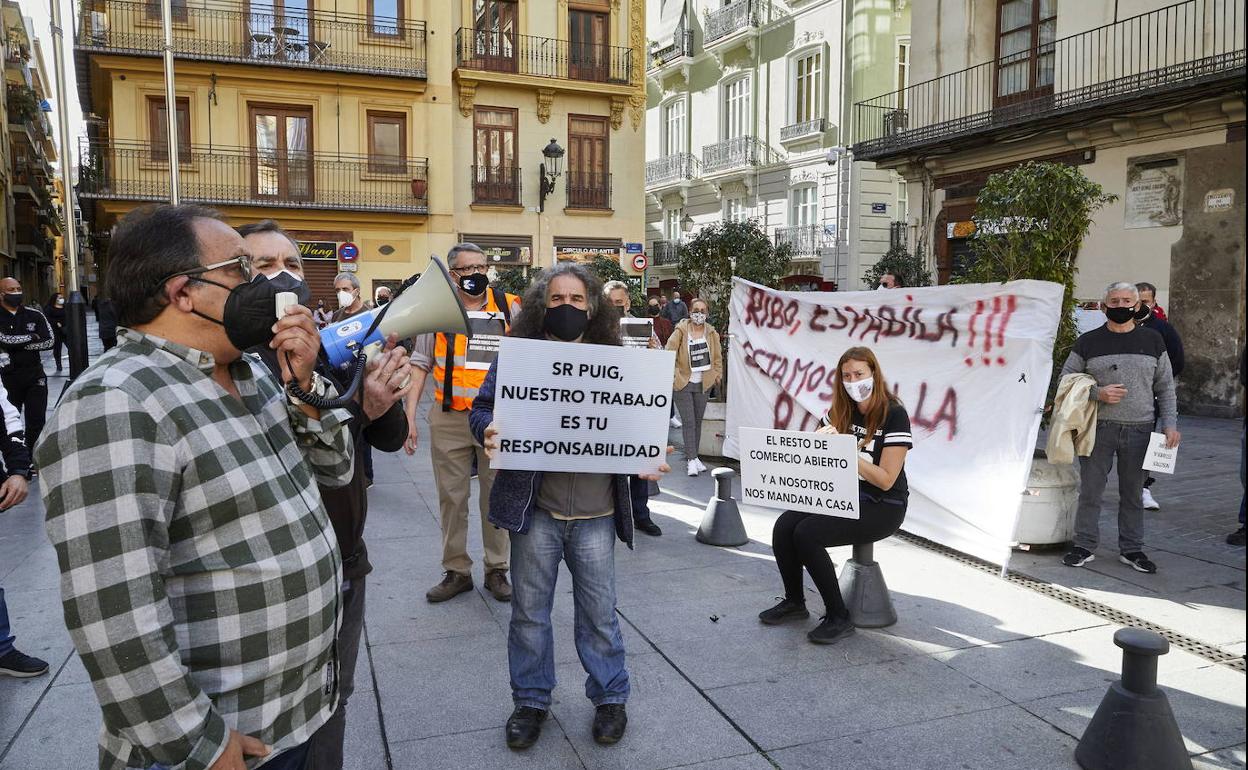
(864, 590)
(1134, 728)
(721, 525)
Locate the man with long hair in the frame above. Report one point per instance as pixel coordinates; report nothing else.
(553, 517)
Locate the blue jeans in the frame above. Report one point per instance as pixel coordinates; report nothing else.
(588, 548)
(6, 638)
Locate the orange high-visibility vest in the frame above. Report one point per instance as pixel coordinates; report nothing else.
(447, 371)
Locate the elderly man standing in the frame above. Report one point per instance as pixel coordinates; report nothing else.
(350, 300)
(377, 420)
(1131, 369)
(459, 367)
(200, 576)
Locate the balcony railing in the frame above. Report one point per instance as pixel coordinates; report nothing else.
(589, 190)
(732, 18)
(803, 129)
(803, 240)
(221, 176)
(213, 30)
(496, 185)
(542, 57)
(680, 47)
(680, 167)
(741, 152)
(666, 252)
(1156, 56)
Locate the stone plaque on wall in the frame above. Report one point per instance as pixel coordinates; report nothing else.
(1154, 193)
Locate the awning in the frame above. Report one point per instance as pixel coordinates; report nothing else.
(670, 18)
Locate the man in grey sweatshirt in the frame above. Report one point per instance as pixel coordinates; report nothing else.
(1131, 368)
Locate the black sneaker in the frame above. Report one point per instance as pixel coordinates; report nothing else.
(1077, 557)
(610, 719)
(831, 630)
(22, 666)
(1138, 562)
(649, 527)
(787, 609)
(1236, 537)
(524, 727)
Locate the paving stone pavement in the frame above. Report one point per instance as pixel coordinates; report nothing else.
(977, 673)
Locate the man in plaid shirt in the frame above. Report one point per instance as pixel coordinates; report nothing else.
(199, 572)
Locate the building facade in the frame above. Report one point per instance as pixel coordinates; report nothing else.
(377, 131)
(30, 222)
(746, 119)
(1145, 97)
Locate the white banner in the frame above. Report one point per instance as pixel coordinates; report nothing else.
(971, 364)
(579, 408)
(810, 472)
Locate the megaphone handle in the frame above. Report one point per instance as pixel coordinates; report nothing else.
(321, 402)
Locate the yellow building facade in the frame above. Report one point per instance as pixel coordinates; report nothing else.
(397, 127)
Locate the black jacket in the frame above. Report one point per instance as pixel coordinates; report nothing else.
(106, 315)
(1169, 335)
(56, 318)
(348, 506)
(22, 335)
(12, 439)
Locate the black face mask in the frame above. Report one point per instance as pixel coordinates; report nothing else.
(1143, 312)
(565, 322)
(381, 301)
(288, 281)
(14, 300)
(250, 312)
(1120, 315)
(475, 284)
(652, 309)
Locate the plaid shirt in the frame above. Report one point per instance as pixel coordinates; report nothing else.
(199, 571)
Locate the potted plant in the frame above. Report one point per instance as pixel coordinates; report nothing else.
(420, 187)
(1029, 223)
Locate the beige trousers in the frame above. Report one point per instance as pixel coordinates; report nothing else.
(452, 451)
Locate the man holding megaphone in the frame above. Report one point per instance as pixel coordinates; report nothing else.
(459, 366)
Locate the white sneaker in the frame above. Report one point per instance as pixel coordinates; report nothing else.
(693, 467)
(676, 423)
(701, 465)
(1150, 502)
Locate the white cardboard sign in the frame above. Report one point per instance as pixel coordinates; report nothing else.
(580, 408)
(793, 470)
(1158, 458)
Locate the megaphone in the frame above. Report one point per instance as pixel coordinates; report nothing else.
(431, 304)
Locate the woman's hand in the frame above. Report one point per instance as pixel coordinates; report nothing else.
(828, 430)
(663, 469)
(491, 440)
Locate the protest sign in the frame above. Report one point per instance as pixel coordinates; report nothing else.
(636, 332)
(487, 331)
(1158, 457)
(971, 364)
(810, 472)
(580, 408)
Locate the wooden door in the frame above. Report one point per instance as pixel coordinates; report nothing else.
(495, 42)
(281, 152)
(589, 180)
(588, 38)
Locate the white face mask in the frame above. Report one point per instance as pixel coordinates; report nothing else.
(345, 298)
(861, 390)
(881, 287)
(697, 318)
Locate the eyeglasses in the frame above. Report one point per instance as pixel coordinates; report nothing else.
(470, 269)
(241, 263)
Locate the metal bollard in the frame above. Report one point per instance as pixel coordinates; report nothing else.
(721, 525)
(864, 590)
(1134, 728)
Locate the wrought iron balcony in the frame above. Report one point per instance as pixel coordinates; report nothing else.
(542, 57)
(589, 190)
(230, 176)
(806, 129)
(803, 240)
(665, 253)
(738, 153)
(680, 47)
(496, 185)
(672, 169)
(732, 18)
(1157, 58)
(225, 31)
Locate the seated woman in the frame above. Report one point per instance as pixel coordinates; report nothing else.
(864, 405)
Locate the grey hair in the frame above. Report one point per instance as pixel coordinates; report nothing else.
(1122, 286)
(355, 282)
(612, 286)
(453, 254)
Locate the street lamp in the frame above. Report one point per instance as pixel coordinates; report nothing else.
(549, 171)
(686, 224)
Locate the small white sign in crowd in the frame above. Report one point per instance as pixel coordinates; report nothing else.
(578, 408)
(792, 470)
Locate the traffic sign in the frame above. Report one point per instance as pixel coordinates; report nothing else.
(348, 252)
(640, 262)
